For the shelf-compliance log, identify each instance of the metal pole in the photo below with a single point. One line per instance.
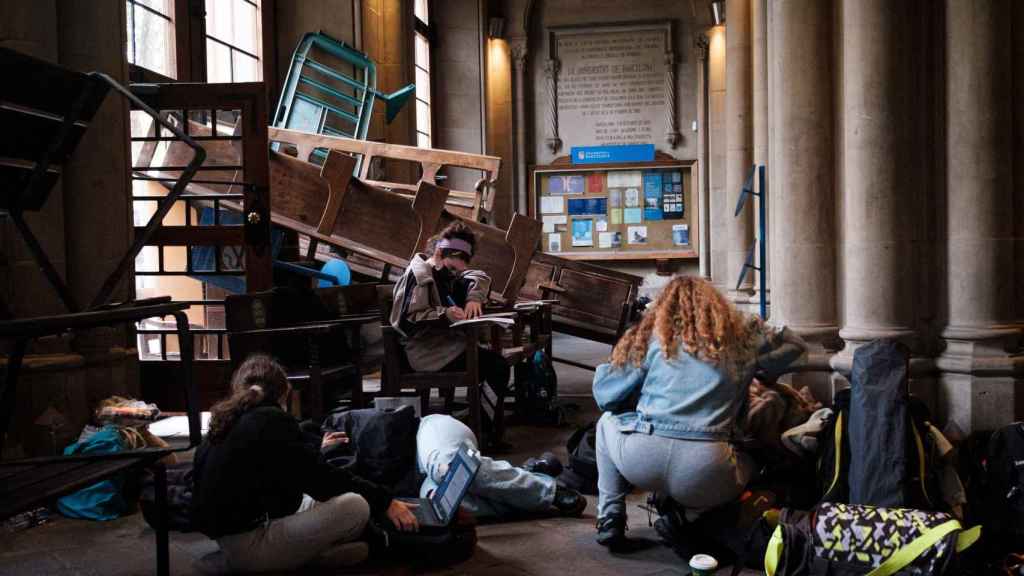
(762, 230)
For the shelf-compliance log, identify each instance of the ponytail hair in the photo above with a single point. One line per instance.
(257, 380)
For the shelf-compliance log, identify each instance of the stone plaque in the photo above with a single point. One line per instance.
(612, 85)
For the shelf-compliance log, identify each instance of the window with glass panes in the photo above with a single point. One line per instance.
(151, 36)
(232, 41)
(423, 33)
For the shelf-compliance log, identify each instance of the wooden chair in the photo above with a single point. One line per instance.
(314, 342)
(396, 377)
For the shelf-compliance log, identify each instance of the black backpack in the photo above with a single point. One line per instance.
(541, 392)
(876, 449)
(581, 474)
(1002, 507)
(381, 447)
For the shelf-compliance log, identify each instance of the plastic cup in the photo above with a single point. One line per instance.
(703, 565)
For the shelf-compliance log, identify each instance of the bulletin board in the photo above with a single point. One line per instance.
(630, 211)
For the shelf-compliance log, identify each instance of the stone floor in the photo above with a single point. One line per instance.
(535, 547)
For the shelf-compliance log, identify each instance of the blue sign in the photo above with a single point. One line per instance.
(612, 154)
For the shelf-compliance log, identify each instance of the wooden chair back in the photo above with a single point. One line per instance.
(594, 302)
(342, 211)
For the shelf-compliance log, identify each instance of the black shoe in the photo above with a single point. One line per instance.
(548, 464)
(673, 538)
(611, 532)
(569, 502)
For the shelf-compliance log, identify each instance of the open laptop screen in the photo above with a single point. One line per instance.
(449, 495)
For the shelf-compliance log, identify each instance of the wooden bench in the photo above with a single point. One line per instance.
(475, 204)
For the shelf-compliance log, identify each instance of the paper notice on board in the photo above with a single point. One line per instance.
(552, 204)
(550, 221)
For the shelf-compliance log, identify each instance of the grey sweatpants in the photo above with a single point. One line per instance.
(697, 474)
(293, 541)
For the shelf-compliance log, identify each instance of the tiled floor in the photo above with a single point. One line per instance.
(535, 547)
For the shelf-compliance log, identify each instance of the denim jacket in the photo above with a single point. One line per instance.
(686, 397)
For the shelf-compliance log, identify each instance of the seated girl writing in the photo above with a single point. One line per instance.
(434, 292)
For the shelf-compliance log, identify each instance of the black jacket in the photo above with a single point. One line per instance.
(382, 447)
(262, 468)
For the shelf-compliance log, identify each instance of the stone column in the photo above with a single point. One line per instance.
(982, 368)
(877, 278)
(96, 188)
(739, 143)
(718, 208)
(803, 281)
(518, 48)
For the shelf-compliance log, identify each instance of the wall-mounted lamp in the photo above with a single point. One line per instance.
(718, 12)
(496, 27)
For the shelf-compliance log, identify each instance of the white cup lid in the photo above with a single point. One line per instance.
(703, 562)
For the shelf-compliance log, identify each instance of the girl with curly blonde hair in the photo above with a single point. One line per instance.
(671, 395)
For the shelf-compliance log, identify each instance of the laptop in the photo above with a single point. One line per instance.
(440, 508)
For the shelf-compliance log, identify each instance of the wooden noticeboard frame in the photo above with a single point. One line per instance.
(663, 241)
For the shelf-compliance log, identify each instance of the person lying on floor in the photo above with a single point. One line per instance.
(500, 490)
(670, 397)
(435, 291)
(263, 492)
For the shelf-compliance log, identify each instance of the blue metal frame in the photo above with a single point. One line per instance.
(760, 243)
(300, 110)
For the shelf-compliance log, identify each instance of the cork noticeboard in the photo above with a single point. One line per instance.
(634, 211)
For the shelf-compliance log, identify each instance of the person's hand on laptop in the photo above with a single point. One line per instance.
(400, 514)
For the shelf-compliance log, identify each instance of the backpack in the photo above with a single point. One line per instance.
(876, 449)
(542, 389)
(581, 474)
(102, 500)
(1001, 508)
(179, 498)
(849, 539)
(381, 447)
(432, 546)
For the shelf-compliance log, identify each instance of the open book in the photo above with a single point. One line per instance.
(533, 303)
(504, 319)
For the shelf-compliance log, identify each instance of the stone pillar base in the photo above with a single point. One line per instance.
(977, 403)
(981, 386)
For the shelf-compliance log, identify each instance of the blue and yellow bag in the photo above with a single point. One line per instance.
(847, 539)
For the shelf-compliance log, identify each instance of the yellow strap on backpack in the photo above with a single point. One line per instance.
(907, 554)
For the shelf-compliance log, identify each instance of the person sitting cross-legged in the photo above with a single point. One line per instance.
(264, 493)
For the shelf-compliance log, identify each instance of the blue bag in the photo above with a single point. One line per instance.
(102, 500)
